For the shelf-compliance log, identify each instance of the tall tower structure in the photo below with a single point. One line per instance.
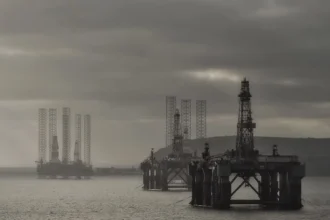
(87, 139)
(52, 129)
(186, 118)
(78, 137)
(42, 134)
(245, 125)
(76, 155)
(200, 119)
(66, 120)
(55, 153)
(177, 135)
(170, 111)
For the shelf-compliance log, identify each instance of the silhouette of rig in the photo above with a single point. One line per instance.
(278, 177)
(172, 171)
(64, 168)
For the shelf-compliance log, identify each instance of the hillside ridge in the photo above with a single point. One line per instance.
(315, 152)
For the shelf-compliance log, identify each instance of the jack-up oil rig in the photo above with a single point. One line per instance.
(278, 176)
(172, 171)
(63, 168)
(160, 175)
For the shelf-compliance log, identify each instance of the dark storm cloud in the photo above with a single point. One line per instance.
(119, 59)
(133, 53)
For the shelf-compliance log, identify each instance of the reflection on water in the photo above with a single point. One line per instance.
(122, 198)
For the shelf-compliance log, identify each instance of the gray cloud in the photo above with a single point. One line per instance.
(125, 56)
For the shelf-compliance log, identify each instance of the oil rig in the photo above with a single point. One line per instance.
(65, 168)
(172, 171)
(278, 177)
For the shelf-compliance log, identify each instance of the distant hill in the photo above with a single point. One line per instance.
(315, 152)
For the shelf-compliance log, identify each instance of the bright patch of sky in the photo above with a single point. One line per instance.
(215, 75)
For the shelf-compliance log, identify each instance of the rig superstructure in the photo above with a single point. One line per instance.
(278, 177)
(64, 168)
(172, 171)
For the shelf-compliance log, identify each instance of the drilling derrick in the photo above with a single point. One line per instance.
(42, 135)
(245, 126)
(76, 154)
(177, 135)
(66, 135)
(200, 119)
(52, 129)
(186, 118)
(55, 153)
(170, 111)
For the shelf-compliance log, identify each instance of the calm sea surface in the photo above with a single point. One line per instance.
(120, 198)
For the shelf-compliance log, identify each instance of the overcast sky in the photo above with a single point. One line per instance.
(118, 59)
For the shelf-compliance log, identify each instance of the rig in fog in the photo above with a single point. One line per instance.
(172, 171)
(64, 167)
(278, 177)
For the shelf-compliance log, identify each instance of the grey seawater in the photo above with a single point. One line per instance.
(119, 198)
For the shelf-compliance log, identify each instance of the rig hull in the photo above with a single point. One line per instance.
(278, 182)
(166, 175)
(57, 170)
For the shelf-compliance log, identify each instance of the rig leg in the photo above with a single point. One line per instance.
(158, 178)
(192, 174)
(225, 192)
(193, 190)
(146, 179)
(152, 178)
(215, 190)
(294, 177)
(207, 187)
(273, 187)
(199, 187)
(164, 179)
(295, 185)
(284, 197)
(264, 187)
(189, 182)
